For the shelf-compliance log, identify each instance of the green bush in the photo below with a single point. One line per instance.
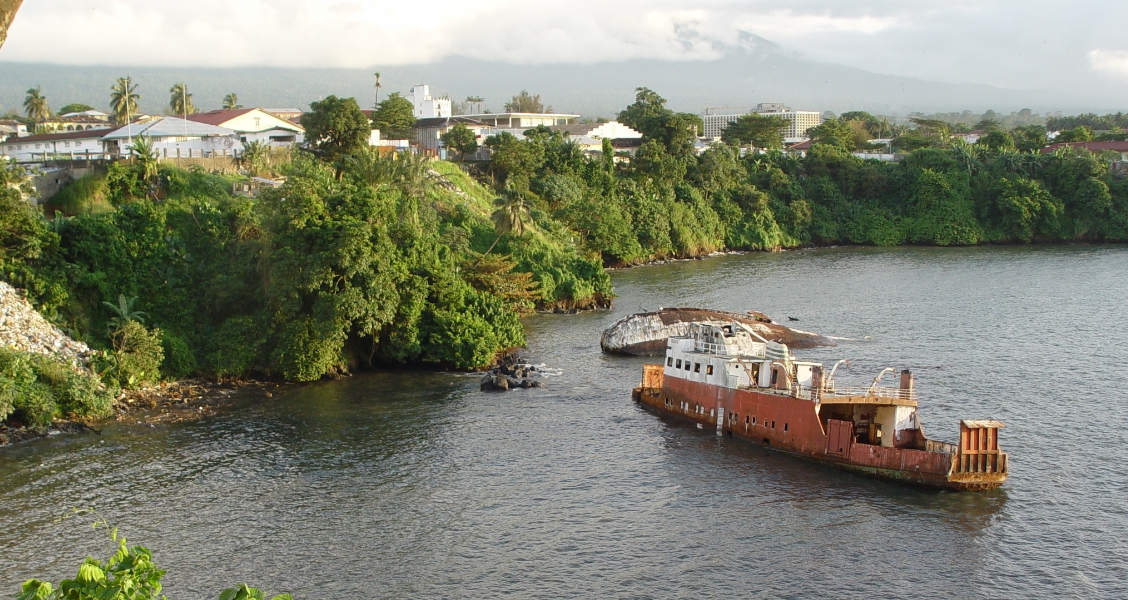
(237, 345)
(137, 355)
(179, 361)
(75, 393)
(35, 389)
(83, 195)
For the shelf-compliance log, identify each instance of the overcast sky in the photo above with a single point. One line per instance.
(1077, 46)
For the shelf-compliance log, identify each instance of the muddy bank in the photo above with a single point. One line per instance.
(644, 334)
(167, 403)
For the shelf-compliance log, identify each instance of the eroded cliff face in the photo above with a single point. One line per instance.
(644, 334)
(22, 328)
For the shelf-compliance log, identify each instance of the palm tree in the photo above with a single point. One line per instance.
(181, 101)
(377, 105)
(123, 100)
(35, 105)
(145, 157)
(231, 102)
(253, 156)
(476, 100)
(512, 214)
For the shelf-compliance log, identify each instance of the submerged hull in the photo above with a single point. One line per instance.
(792, 425)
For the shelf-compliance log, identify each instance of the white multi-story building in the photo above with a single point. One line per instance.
(69, 144)
(800, 121)
(427, 107)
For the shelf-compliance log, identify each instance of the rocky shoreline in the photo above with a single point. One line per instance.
(171, 402)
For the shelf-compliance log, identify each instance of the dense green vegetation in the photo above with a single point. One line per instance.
(357, 260)
(36, 389)
(361, 259)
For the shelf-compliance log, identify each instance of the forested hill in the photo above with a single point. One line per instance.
(742, 77)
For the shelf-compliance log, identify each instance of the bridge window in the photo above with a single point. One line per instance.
(670, 361)
(696, 367)
(679, 364)
(709, 369)
(687, 365)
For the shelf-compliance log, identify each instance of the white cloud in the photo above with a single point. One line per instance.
(358, 33)
(1110, 62)
(1010, 43)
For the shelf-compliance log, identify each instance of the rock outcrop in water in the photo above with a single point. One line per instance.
(644, 334)
(510, 374)
(22, 328)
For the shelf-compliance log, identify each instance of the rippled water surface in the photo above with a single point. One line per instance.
(418, 485)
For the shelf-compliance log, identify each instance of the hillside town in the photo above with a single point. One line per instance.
(61, 147)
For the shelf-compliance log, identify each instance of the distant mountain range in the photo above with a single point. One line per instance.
(757, 71)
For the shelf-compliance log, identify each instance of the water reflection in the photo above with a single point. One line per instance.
(416, 484)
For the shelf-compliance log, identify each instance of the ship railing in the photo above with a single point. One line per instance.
(942, 447)
(709, 348)
(755, 351)
(871, 392)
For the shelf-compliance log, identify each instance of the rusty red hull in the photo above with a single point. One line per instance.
(791, 425)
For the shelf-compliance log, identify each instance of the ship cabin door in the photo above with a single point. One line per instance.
(839, 435)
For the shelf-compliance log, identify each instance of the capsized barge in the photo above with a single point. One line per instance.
(725, 375)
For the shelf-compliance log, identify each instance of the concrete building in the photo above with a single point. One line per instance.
(799, 121)
(254, 124)
(429, 132)
(69, 144)
(427, 107)
(12, 128)
(522, 121)
(589, 136)
(611, 129)
(174, 137)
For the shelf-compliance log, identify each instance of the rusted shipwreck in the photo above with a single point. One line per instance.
(730, 377)
(645, 333)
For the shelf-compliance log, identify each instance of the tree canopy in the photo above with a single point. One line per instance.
(761, 131)
(460, 139)
(526, 103)
(395, 118)
(75, 107)
(35, 105)
(335, 128)
(180, 100)
(123, 100)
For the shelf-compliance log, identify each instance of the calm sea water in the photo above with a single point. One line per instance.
(418, 485)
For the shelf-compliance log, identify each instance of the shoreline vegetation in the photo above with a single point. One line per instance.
(361, 260)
